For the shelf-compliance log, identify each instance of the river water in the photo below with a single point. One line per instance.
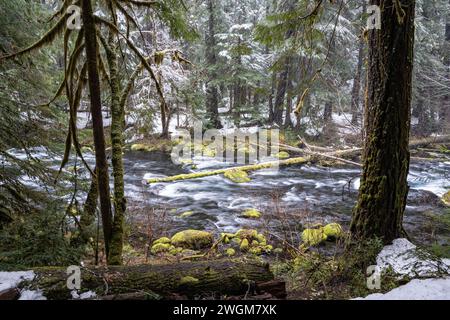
(288, 198)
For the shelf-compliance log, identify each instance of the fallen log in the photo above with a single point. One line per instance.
(186, 279)
(252, 167)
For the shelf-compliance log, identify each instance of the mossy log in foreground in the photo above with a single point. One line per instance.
(153, 281)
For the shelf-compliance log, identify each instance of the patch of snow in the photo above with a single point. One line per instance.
(12, 279)
(406, 259)
(83, 296)
(32, 295)
(417, 289)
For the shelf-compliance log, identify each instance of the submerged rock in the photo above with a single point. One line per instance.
(192, 239)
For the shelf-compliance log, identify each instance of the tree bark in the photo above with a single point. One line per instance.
(91, 49)
(221, 277)
(117, 141)
(444, 114)
(382, 195)
(212, 93)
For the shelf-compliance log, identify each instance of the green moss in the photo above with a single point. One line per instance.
(237, 176)
(312, 237)
(160, 248)
(174, 251)
(251, 214)
(192, 239)
(186, 214)
(256, 251)
(333, 230)
(255, 243)
(141, 147)
(188, 280)
(283, 155)
(161, 240)
(247, 234)
(446, 198)
(244, 245)
(230, 252)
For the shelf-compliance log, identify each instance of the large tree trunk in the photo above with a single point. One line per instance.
(190, 279)
(212, 93)
(97, 120)
(281, 93)
(384, 188)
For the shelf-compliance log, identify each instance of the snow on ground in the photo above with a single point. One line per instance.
(405, 259)
(10, 280)
(417, 289)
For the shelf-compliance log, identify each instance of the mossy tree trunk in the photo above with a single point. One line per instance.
(91, 48)
(117, 142)
(445, 108)
(384, 188)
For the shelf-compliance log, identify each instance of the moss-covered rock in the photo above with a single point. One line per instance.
(251, 214)
(248, 234)
(161, 248)
(186, 214)
(230, 252)
(141, 147)
(283, 155)
(188, 280)
(244, 245)
(333, 230)
(256, 251)
(192, 239)
(312, 237)
(175, 251)
(161, 240)
(237, 176)
(446, 198)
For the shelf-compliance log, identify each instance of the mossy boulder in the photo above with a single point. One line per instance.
(333, 230)
(251, 214)
(244, 245)
(141, 147)
(283, 155)
(230, 252)
(446, 198)
(161, 248)
(248, 234)
(313, 237)
(237, 176)
(161, 240)
(192, 239)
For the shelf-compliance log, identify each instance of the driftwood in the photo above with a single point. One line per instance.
(217, 278)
